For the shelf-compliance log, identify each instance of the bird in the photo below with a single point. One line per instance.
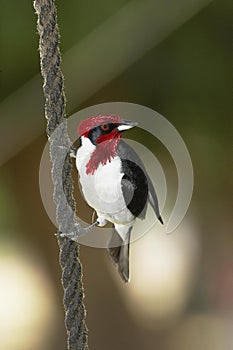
(114, 182)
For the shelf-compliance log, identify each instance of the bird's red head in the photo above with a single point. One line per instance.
(104, 131)
(88, 124)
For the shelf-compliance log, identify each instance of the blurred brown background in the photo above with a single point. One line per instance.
(174, 58)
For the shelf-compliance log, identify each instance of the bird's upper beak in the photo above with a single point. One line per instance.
(126, 125)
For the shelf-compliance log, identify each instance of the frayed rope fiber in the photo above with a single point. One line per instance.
(55, 101)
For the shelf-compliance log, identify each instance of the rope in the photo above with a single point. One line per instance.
(50, 60)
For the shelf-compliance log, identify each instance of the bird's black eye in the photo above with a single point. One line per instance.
(104, 127)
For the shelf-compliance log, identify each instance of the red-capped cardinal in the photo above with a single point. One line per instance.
(114, 181)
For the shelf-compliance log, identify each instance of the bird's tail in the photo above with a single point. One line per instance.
(119, 253)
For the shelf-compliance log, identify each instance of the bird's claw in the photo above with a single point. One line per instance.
(77, 233)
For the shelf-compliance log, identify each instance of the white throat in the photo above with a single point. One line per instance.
(87, 144)
(84, 152)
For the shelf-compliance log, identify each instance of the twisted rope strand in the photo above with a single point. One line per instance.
(53, 87)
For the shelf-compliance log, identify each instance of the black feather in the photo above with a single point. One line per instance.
(134, 187)
(127, 152)
(119, 254)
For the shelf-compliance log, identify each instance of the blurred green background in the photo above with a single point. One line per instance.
(173, 57)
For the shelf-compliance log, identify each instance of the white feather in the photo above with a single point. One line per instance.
(102, 190)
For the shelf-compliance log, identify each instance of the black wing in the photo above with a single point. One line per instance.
(127, 153)
(134, 187)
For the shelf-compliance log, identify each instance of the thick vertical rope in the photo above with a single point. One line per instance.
(53, 87)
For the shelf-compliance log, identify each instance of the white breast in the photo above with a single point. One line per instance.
(102, 190)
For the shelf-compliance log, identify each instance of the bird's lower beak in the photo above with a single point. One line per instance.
(126, 125)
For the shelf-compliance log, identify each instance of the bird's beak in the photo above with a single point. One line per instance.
(126, 125)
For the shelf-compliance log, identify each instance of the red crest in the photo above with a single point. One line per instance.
(86, 125)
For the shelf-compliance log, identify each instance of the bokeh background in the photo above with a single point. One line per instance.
(173, 57)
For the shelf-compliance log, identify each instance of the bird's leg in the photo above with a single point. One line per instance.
(78, 232)
(81, 231)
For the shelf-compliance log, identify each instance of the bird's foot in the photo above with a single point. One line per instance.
(77, 233)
